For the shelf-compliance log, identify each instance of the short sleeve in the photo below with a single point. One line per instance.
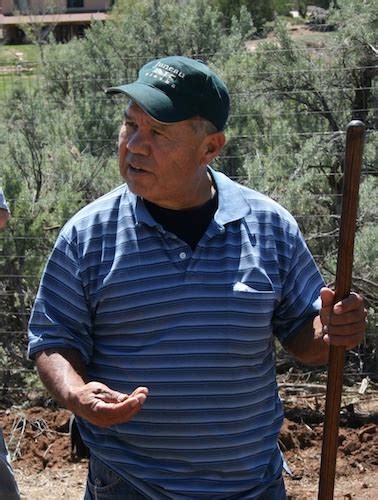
(61, 314)
(3, 203)
(300, 300)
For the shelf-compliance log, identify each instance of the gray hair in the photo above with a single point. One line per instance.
(202, 126)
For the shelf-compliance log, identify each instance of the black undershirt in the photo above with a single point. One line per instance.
(188, 225)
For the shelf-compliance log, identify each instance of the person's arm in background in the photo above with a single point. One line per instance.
(4, 217)
(63, 373)
(342, 324)
(4, 211)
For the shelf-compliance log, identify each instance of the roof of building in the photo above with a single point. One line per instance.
(77, 18)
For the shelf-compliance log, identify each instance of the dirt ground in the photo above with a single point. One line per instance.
(39, 442)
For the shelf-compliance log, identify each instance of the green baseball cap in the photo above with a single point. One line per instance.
(175, 88)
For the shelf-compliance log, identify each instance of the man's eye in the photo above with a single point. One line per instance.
(130, 124)
(156, 132)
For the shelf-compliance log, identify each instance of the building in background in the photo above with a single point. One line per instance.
(65, 18)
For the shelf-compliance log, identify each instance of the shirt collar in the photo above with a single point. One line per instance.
(142, 215)
(232, 205)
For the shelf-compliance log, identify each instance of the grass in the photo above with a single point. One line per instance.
(316, 37)
(27, 56)
(11, 55)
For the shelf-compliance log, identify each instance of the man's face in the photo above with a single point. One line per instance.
(163, 163)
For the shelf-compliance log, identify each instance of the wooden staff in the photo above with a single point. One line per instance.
(352, 167)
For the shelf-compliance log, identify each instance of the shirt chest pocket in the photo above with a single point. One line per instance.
(252, 300)
(253, 280)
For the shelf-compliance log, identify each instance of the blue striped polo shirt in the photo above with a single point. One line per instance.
(195, 327)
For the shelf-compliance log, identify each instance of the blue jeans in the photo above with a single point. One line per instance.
(276, 491)
(8, 485)
(104, 484)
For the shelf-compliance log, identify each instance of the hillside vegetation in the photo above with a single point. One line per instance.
(292, 99)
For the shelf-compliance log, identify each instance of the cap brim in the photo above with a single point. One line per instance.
(154, 102)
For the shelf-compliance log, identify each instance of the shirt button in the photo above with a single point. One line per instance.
(182, 255)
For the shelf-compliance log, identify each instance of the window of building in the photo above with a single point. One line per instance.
(22, 5)
(75, 4)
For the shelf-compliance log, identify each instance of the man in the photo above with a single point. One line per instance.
(4, 211)
(8, 485)
(154, 319)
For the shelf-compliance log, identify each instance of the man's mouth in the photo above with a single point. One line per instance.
(135, 168)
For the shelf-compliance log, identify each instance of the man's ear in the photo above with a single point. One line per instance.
(212, 146)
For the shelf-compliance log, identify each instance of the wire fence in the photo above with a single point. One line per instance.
(17, 380)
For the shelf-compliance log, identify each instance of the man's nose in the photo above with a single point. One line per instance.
(138, 143)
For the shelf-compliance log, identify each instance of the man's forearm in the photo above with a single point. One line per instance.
(308, 345)
(61, 370)
(4, 217)
(63, 373)
(340, 324)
